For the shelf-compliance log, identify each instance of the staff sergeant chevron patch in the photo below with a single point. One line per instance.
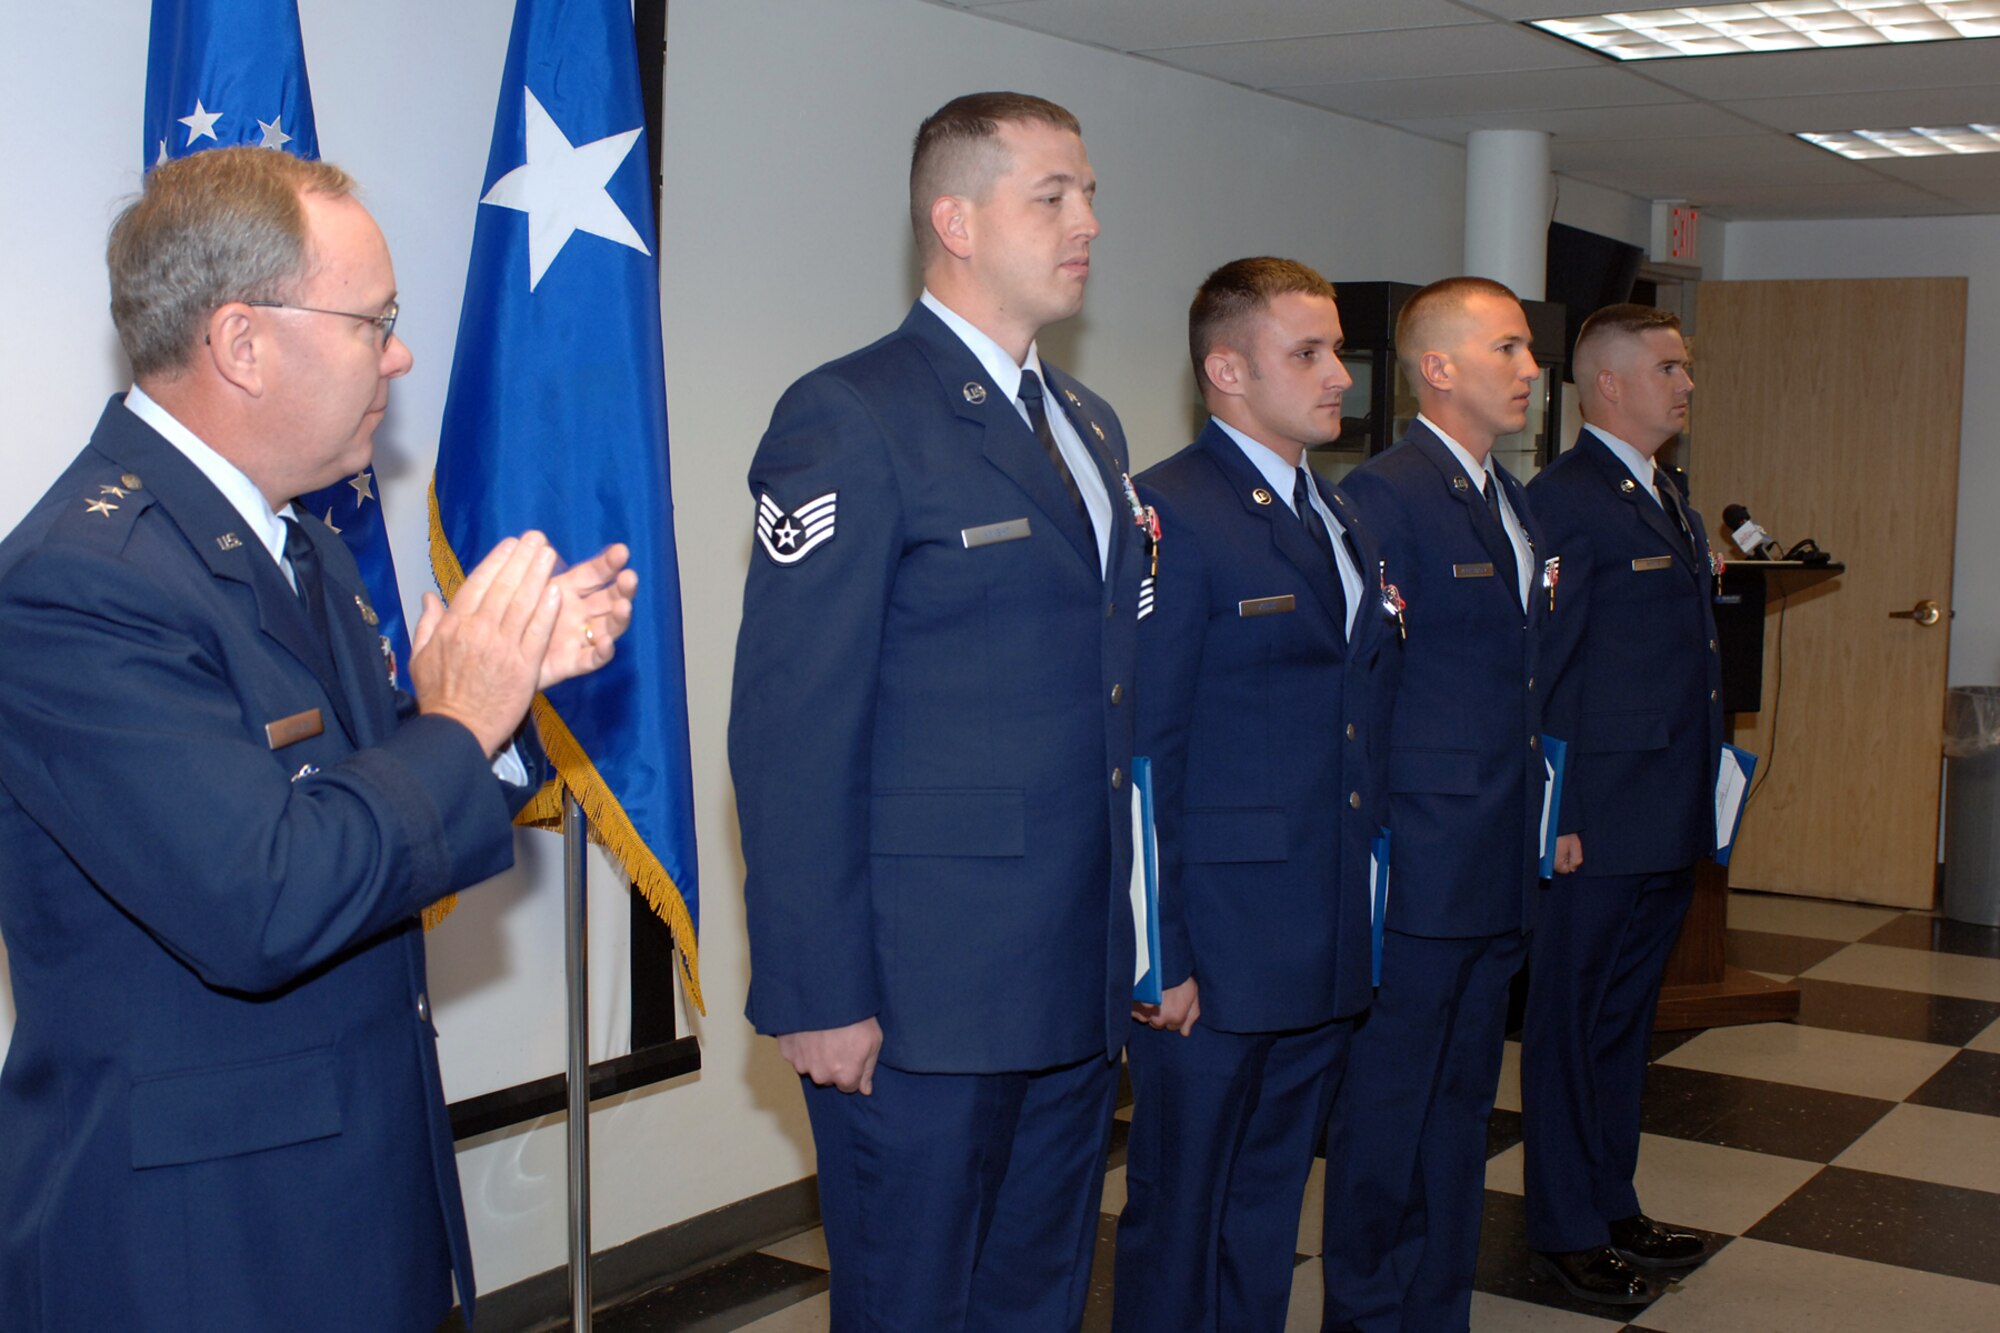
(790, 537)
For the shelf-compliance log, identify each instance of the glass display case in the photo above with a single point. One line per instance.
(1381, 405)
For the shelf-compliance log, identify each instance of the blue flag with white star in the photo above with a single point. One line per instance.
(225, 72)
(556, 419)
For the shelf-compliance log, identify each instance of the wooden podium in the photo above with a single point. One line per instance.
(1700, 989)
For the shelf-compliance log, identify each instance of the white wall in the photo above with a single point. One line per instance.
(1920, 247)
(784, 243)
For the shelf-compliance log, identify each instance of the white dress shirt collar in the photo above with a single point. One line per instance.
(241, 492)
(1282, 477)
(1475, 471)
(1643, 469)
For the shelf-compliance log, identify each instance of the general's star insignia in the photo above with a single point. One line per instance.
(103, 507)
(790, 537)
(115, 492)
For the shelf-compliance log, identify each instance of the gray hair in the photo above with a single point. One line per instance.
(223, 225)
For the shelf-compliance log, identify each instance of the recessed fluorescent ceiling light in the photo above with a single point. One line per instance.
(1923, 141)
(1775, 25)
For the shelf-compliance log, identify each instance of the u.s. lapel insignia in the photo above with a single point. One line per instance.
(1627, 486)
(1459, 483)
(975, 392)
(790, 537)
(1261, 496)
(228, 541)
(368, 616)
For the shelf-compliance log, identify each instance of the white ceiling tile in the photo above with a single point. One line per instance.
(1484, 94)
(1874, 199)
(1471, 48)
(1755, 152)
(1854, 69)
(1522, 10)
(1874, 111)
(1669, 120)
(1943, 175)
(1133, 25)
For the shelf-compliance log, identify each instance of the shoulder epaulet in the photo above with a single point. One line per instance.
(102, 512)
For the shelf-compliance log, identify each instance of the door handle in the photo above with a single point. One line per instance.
(1925, 612)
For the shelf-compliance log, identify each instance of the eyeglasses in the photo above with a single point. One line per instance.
(385, 323)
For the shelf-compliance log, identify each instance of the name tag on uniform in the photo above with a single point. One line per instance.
(291, 730)
(1652, 562)
(1011, 531)
(1482, 570)
(1267, 606)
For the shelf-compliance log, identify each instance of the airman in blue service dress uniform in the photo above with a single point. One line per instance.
(219, 819)
(1634, 679)
(1407, 1135)
(931, 736)
(1267, 666)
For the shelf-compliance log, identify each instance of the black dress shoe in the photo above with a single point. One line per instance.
(1595, 1275)
(1642, 1241)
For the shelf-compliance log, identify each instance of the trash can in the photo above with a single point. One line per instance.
(1972, 804)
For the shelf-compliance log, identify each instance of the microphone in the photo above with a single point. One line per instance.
(1749, 535)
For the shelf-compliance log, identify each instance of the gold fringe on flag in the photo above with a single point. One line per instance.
(610, 827)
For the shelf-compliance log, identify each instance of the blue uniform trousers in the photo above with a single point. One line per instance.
(1406, 1140)
(1600, 947)
(1224, 1125)
(963, 1201)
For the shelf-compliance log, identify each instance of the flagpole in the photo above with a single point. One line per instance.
(576, 829)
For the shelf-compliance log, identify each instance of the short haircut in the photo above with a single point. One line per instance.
(1424, 317)
(223, 225)
(1239, 289)
(957, 150)
(1611, 323)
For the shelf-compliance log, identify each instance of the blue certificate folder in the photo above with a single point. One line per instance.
(1146, 987)
(1732, 786)
(1554, 754)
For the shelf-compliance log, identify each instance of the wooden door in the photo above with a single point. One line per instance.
(1831, 409)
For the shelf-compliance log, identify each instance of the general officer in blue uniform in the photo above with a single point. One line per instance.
(930, 734)
(1634, 679)
(1267, 666)
(219, 819)
(1406, 1142)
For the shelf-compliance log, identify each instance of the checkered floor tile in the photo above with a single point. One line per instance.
(1846, 1167)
